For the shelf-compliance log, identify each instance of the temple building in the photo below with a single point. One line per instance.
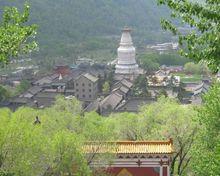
(126, 62)
(134, 158)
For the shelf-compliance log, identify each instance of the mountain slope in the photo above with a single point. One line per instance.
(65, 23)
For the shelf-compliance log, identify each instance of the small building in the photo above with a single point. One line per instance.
(44, 99)
(133, 104)
(123, 82)
(109, 103)
(86, 87)
(3, 78)
(62, 70)
(46, 80)
(172, 68)
(134, 158)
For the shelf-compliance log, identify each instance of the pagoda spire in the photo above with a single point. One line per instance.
(126, 62)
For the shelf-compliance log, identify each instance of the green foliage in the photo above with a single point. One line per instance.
(106, 87)
(23, 86)
(202, 43)
(68, 105)
(54, 146)
(163, 92)
(28, 149)
(207, 149)
(151, 61)
(192, 68)
(171, 59)
(140, 86)
(3, 173)
(168, 119)
(163, 119)
(4, 93)
(15, 34)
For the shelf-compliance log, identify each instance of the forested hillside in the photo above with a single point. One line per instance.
(65, 25)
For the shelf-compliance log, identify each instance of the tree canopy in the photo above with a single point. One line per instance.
(16, 36)
(206, 153)
(202, 43)
(57, 134)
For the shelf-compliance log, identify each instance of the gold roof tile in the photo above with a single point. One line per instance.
(130, 147)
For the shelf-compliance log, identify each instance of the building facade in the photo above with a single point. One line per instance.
(86, 87)
(135, 158)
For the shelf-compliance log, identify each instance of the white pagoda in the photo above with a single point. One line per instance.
(126, 62)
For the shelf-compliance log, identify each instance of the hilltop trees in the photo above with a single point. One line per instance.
(15, 35)
(67, 25)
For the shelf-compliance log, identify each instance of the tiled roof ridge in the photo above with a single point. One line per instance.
(147, 142)
(128, 147)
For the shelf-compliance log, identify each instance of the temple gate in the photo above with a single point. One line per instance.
(135, 158)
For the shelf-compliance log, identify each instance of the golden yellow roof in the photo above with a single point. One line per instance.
(130, 147)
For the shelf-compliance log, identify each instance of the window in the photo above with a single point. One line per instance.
(77, 90)
(77, 84)
(83, 90)
(84, 96)
(83, 84)
(90, 90)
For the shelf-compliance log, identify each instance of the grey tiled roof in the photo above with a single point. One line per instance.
(111, 100)
(34, 90)
(89, 77)
(124, 82)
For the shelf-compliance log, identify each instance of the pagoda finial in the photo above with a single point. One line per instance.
(126, 29)
(60, 77)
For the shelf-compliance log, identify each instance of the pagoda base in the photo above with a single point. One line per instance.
(127, 69)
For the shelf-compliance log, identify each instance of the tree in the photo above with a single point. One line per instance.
(15, 35)
(169, 119)
(140, 86)
(4, 94)
(54, 145)
(106, 87)
(68, 105)
(149, 62)
(202, 43)
(192, 68)
(24, 85)
(162, 92)
(206, 153)
(47, 148)
(161, 120)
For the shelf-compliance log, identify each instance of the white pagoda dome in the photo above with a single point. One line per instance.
(126, 62)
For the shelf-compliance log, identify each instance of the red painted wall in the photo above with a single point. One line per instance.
(63, 70)
(164, 171)
(138, 171)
